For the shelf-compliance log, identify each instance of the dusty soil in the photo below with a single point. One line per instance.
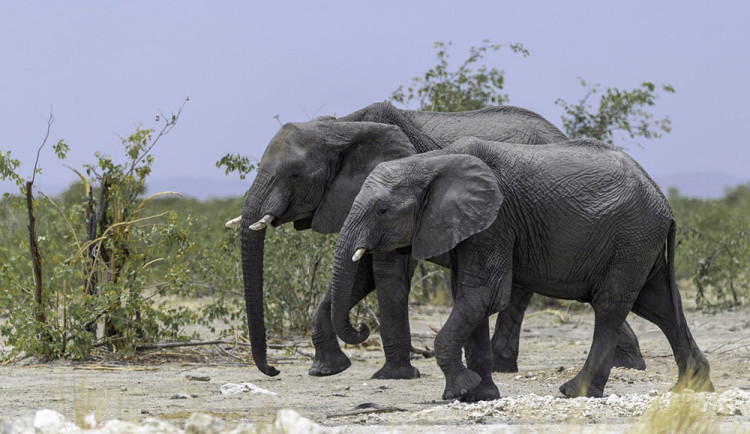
(173, 384)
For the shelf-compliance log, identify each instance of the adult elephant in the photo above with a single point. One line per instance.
(310, 174)
(578, 220)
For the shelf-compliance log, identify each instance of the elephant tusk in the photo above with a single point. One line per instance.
(234, 222)
(358, 255)
(262, 223)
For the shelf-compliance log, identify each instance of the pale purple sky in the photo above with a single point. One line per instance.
(105, 67)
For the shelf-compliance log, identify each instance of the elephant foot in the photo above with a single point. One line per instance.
(460, 385)
(504, 365)
(329, 363)
(394, 371)
(698, 382)
(576, 388)
(486, 391)
(628, 357)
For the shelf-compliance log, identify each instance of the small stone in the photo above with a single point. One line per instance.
(529, 374)
(631, 381)
(737, 412)
(145, 412)
(517, 377)
(560, 369)
(180, 396)
(198, 377)
(123, 389)
(653, 393)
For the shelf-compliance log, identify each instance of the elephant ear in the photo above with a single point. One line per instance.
(462, 199)
(361, 146)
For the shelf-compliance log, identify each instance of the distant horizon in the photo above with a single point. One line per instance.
(701, 185)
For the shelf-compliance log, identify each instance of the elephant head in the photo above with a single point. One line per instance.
(309, 175)
(430, 202)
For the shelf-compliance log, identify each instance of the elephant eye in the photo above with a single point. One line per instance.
(294, 176)
(382, 211)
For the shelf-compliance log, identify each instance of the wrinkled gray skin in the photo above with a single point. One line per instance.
(310, 174)
(578, 220)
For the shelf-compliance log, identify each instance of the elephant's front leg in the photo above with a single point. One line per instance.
(479, 359)
(507, 331)
(329, 359)
(467, 314)
(392, 274)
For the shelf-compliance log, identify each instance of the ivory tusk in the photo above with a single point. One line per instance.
(234, 222)
(262, 223)
(358, 254)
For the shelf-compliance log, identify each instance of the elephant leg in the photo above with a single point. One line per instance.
(392, 274)
(507, 331)
(479, 359)
(329, 359)
(467, 314)
(611, 302)
(628, 351)
(592, 378)
(659, 304)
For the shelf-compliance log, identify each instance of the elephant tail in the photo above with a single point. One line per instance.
(674, 291)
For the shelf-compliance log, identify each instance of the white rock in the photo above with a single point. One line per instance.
(153, 425)
(200, 423)
(289, 421)
(18, 425)
(90, 421)
(119, 427)
(50, 421)
(237, 388)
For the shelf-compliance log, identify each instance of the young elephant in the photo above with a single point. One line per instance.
(578, 220)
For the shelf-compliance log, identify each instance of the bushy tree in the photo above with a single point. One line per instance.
(106, 259)
(618, 111)
(714, 246)
(470, 86)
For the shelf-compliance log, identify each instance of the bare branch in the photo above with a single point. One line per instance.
(50, 121)
(169, 124)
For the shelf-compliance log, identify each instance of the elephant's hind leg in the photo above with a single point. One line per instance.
(329, 359)
(611, 300)
(656, 303)
(628, 351)
(592, 378)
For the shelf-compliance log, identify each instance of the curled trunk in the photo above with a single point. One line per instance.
(344, 276)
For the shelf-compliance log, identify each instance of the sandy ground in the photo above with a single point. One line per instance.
(173, 384)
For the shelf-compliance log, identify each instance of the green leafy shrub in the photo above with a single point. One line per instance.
(713, 246)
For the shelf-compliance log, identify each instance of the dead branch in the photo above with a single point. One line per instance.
(162, 345)
(426, 353)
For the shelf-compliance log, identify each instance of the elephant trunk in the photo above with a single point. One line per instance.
(252, 245)
(344, 276)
